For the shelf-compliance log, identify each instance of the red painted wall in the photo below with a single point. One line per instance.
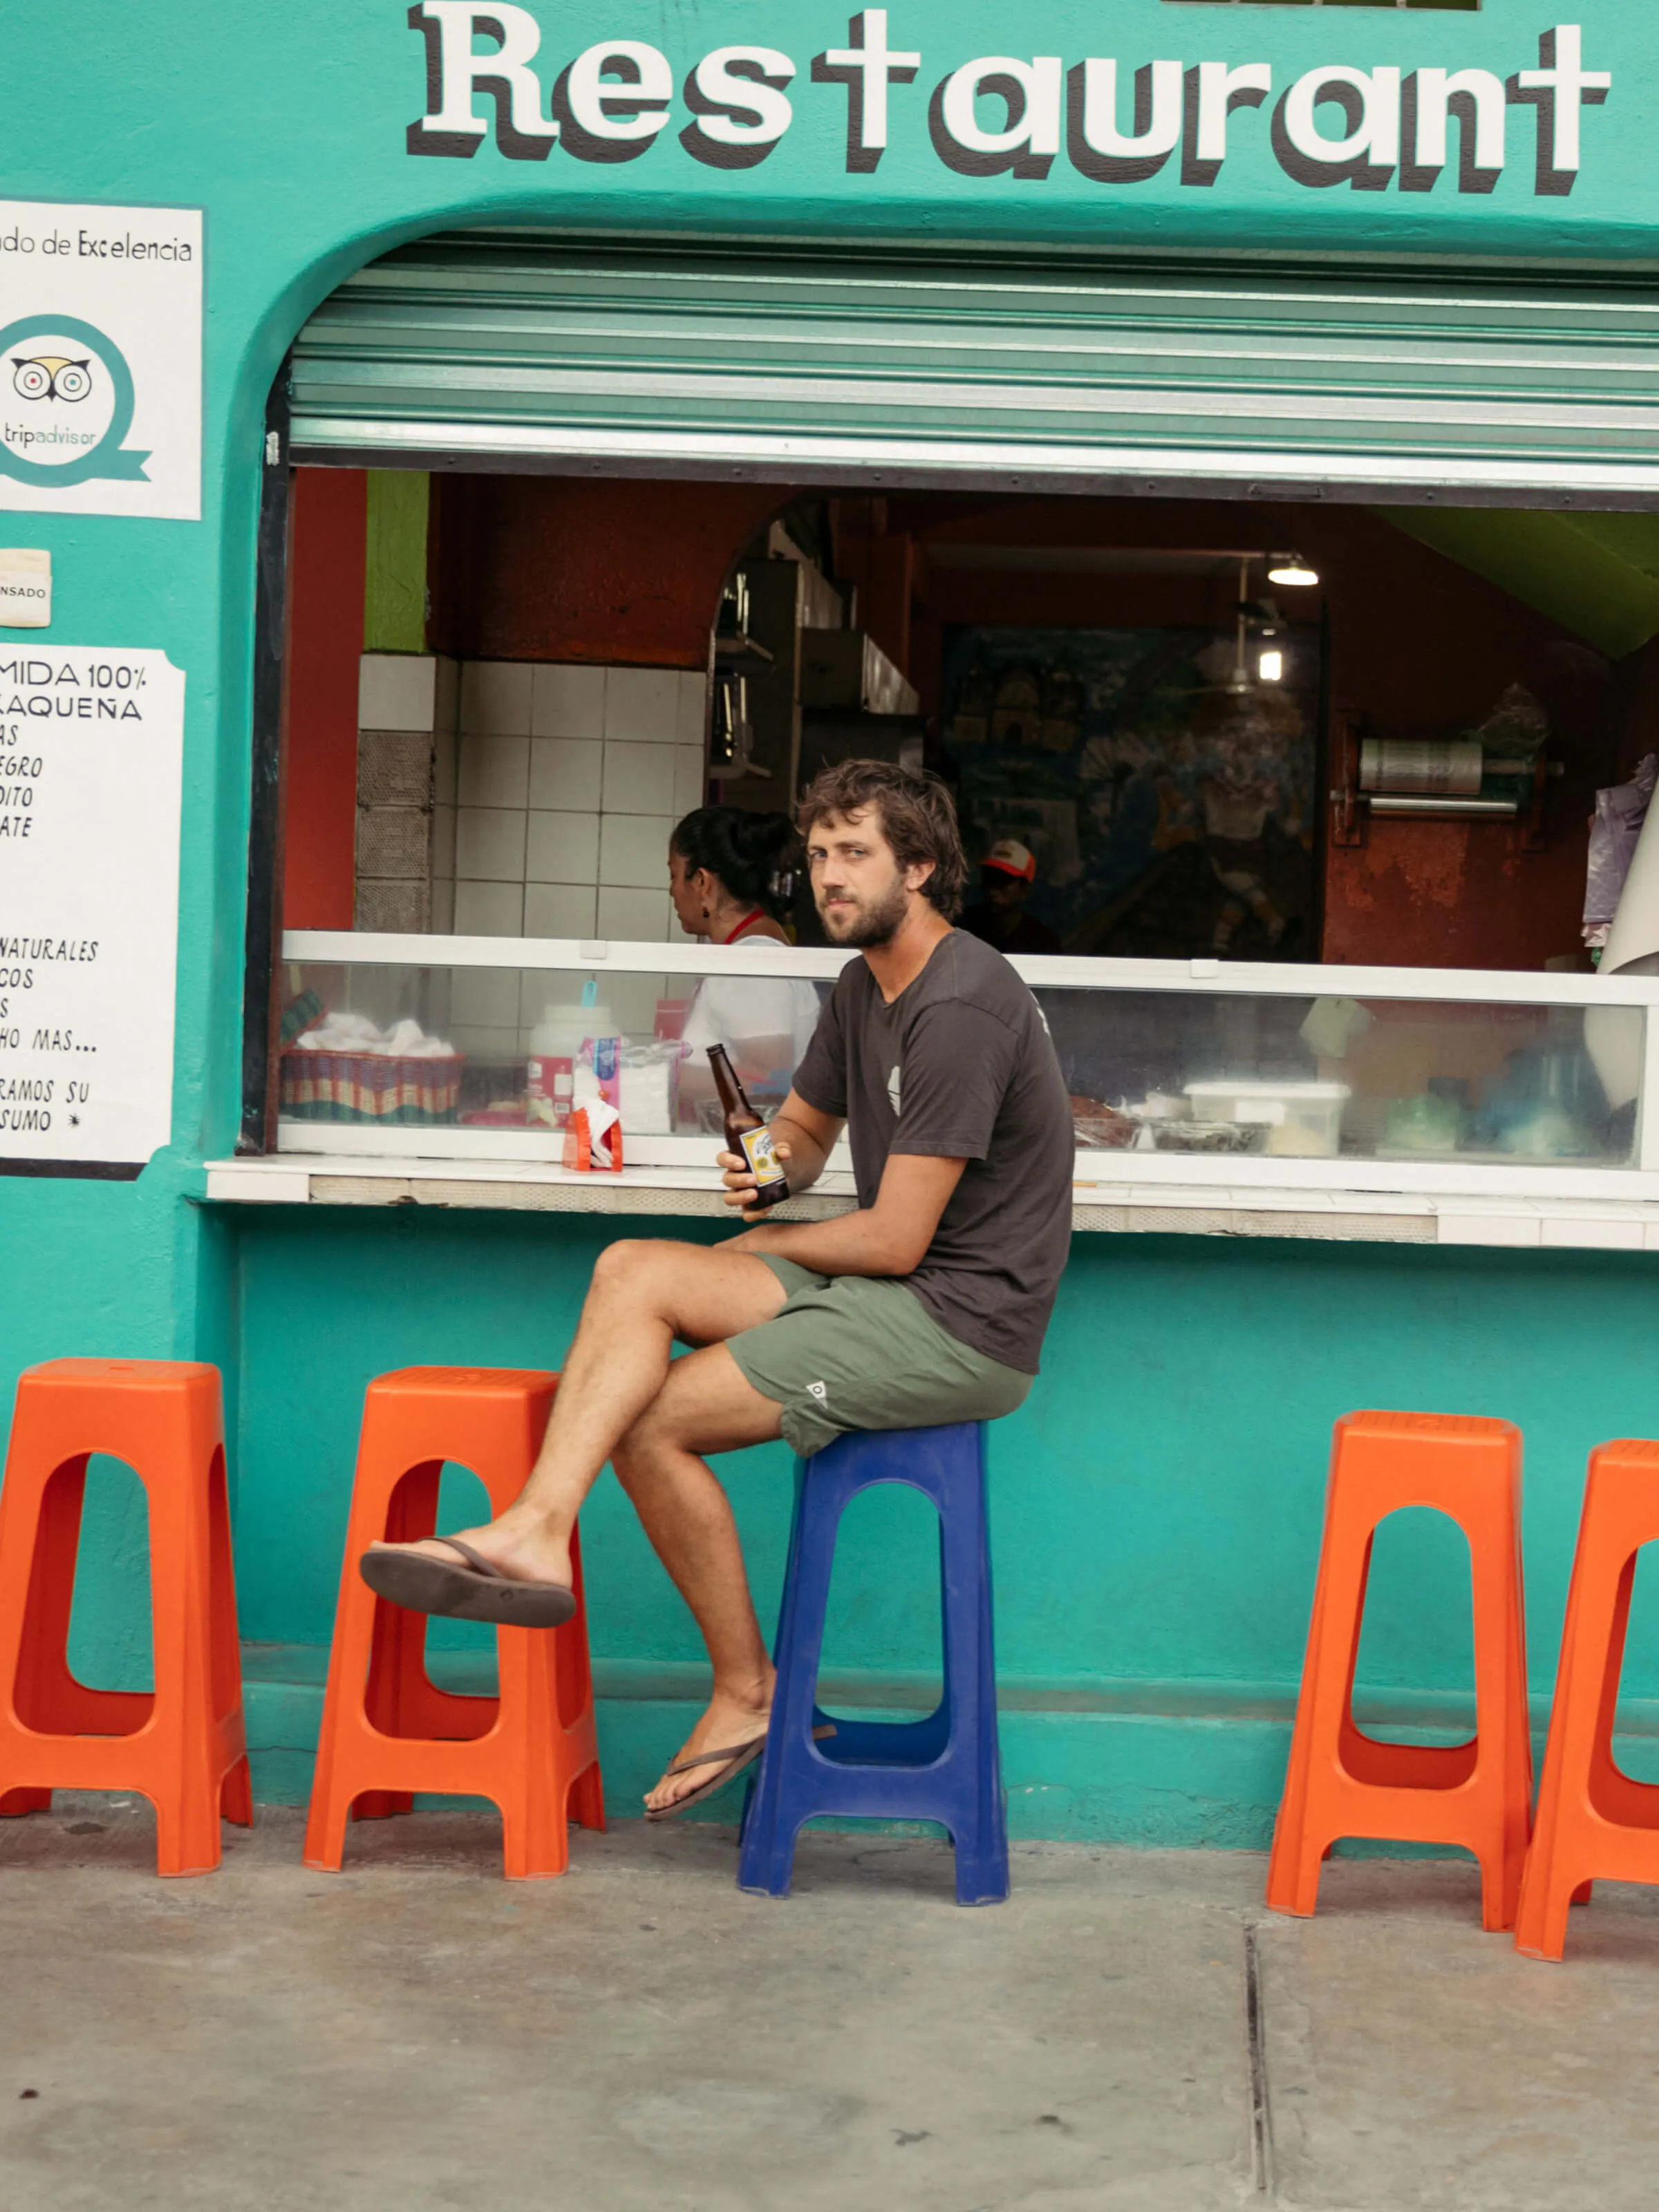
(554, 568)
(328, 537)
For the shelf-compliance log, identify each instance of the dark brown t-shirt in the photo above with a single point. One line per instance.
(960, 1066)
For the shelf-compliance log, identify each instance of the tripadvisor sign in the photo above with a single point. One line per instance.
(998, 113)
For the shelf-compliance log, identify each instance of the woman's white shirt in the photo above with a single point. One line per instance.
(731, 1009)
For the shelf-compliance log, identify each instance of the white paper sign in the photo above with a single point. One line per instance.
(91, 777)
(24, 588)
(101, 359)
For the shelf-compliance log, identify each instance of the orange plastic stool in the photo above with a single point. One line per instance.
(1594, 1823)
(1341, 1783)
(387, 1729)
(180, 1745)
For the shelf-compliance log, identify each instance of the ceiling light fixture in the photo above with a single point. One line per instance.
(1290, 569)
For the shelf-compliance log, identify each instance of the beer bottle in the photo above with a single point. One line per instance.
(746, 1134)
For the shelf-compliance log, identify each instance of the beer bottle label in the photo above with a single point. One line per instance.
(763, 1162)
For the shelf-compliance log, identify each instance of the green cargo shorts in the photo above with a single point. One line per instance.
(861, 1352)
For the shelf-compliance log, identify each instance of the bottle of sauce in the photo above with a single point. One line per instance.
(746, 1134)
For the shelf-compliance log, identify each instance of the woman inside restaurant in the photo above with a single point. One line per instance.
(731, 875)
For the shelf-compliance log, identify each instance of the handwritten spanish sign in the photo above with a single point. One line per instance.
(91, 777)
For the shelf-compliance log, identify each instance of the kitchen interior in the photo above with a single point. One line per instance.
(1217, 733)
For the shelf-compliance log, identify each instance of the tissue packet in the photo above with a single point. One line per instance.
(593, 1139)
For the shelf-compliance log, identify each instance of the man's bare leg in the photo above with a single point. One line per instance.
(644, 1294)
(706, 1405)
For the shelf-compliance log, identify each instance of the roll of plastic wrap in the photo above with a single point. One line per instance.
(1613, 1034)
(1449, 767)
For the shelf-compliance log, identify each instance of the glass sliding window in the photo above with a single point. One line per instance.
(1334, 1078)
(385, 1046)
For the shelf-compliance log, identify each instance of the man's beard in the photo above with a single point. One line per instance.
(874, 922)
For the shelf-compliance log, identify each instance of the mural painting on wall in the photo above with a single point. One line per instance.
(1168, 803)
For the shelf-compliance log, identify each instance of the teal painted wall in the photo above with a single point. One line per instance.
(1156, 1505)
(1156, 1501)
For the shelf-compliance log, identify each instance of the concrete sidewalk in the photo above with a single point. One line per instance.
(417, 2034)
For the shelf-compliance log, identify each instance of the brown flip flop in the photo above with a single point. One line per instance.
(738, 1756)
(477, 1591)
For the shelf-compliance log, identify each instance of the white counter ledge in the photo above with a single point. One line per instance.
(1112, 1207)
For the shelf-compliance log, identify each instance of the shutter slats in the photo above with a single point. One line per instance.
(520, 351)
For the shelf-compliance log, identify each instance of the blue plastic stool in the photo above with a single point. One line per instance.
(945, 1768)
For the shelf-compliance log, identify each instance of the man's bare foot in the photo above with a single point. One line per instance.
(729, 1722)
(521, 1545)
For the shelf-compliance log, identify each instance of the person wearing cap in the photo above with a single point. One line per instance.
(1006, 877)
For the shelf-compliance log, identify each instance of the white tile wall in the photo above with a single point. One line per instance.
(637, 914)
(567, 772)
(559, 909)
(642, 705)
(489, 910)
(397, 690)
(691, 723)
(568, 701)
(494, 771)
(566, 783)
(634, 851)
(489, 843)
(495, 698)
(639, 779)
(447, 695)
(484, 997)
(562, 849)
(690, 779)
(444, 762)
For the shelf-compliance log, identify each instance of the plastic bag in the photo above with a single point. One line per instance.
(1620, 813)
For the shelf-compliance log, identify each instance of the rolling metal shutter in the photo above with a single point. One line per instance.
(511, 349)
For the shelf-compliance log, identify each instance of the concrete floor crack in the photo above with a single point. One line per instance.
(1255, 2045)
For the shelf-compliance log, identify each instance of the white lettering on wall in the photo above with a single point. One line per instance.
(1221, 89)
(617, 92)
(1372, 129)
(1156, 132)
(741, 106)
(1369, 148)
(1031, 94)
(1478, 98)
(457, 72)
(866, 66)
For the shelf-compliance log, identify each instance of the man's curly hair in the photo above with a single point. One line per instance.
(918, 818)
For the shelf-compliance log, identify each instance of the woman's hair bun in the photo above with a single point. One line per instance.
(750, 854)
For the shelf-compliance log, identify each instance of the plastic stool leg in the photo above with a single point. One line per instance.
(1580, 1746)
(1298, 1853)
(398, 1647)
(767, 1859)
(586, 1802)
(980, 1833)
(236, 1795)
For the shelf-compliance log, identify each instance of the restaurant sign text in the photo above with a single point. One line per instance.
(1114, 119)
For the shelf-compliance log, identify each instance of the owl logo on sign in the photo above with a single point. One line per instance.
(51, 376)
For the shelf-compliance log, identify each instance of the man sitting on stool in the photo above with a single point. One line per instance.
(928, 1305)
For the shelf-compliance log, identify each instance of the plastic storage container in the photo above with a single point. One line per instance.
(556, 1045)
(1303, 1121)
